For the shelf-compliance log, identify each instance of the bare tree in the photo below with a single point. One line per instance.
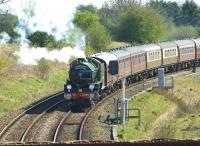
(4, 1)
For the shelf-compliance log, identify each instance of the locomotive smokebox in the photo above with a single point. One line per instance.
(161, 77)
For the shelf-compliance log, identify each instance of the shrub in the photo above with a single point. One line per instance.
(4, 62)
(43, 68)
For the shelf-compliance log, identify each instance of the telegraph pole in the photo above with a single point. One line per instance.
(123, 115)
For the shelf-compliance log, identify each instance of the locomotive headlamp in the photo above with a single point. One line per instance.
(69, 87)
(91, 96)
(67, 96)
(91, 87)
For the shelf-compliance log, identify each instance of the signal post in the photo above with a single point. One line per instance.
(123, 100)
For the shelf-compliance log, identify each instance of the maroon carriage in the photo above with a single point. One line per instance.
(169, 55)
(186, 50)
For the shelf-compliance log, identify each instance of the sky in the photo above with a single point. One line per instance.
(52, 15)
(49, 14)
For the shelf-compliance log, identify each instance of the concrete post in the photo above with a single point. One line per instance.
(123, 118)
(161, 77)
(126, 108)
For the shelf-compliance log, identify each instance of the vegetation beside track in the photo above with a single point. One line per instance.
(164, 115)
(21, 85)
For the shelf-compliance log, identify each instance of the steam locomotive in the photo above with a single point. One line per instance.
(94, 77)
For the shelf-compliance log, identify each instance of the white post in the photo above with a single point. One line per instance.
(123, 116)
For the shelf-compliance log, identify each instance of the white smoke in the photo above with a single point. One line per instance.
(31, 56)
(4, 38)
(53, 17)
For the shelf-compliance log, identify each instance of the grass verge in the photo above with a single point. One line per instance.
(21, 85)
(167, 116)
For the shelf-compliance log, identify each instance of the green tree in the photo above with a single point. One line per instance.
(190, 13)
(43, 39)
(186, 32)
(179, 32)
(166, 9)
(85, 20)
(186, 14)
(8, 22)
(38, 39)
(98, 38)
(140, 25)
(90, 8)
(122, 5)
(111, 11)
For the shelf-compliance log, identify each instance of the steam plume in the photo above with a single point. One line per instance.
(4, 38)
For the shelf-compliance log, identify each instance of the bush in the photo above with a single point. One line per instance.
(43, 68)
(4, 62)
(179, 32)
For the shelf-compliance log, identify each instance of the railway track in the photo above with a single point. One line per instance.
(96, 125)
(15, 130)
(27, 134)
(74, 126)
(70, 126)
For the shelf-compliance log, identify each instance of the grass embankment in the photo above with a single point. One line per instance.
(21, 85)
(167, 116)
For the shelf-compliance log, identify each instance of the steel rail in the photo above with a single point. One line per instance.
(81, 128)
(29, 109)
(39, 117)
(59, 126)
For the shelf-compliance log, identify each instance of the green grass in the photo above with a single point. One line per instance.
(186, 127)
(21, 85)
(17, 93)
(166, 116)
(151, 105)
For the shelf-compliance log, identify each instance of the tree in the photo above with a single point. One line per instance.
(190, 13)
(166, 9)
(85, 19)
(186, 32)
(179, 32)
(38, 39)
(43, 39)
(111, 11)
(8, 22)
(187, 14)
(4, 1)
(140, 25)
(90, 8)
(123, 5)
(98, 38)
